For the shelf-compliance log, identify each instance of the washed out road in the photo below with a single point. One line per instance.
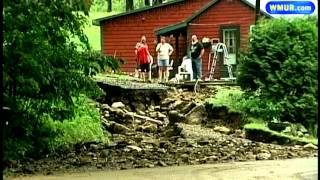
(305, 169)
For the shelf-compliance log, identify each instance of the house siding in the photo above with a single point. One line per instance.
(121, 34)
(232, 12)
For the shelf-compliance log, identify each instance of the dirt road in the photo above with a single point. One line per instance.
(277, 169)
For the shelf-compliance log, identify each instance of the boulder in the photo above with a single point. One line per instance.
(167, 101)
(139, 112)
(161, 116)
(153, 114)
(187, 107)
(176, 105)
(117, 105)
(197, 115)
(175, 116)
(120, 129)
(138, 106)
(222, 129)
(105, 107)
(263, 156)
(310, 147)
(157, 108)
(136, 148)
(151, 128)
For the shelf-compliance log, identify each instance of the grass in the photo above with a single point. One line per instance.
(93, 32)
(262, 126)
(229, 97)
(84, 127)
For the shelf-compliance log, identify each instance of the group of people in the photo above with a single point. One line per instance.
(164, 51)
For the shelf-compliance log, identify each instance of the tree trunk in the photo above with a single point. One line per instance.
(109, 5)
(129, 5)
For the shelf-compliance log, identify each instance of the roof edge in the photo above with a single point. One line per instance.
(254, 7)
(98, 21)
(169, 28)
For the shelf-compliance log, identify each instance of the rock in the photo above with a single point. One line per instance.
(197, 115)
(134, 148)
(141, 113)
(310, 147)
(174, 116)
(117, 105)
(157, 108)
(203, 142)
(94, 147)
(105, 107)
(251, 156)
(263, 156)
(161, 116)
(84, 161)
(99, 166)
(175, 105)
(188, 107)
(139, 106)
(151, 128)
(222, 129)
(104, 153)
(164, 108)
(120, 129)
(149, 165)
(161, 163)
(167, 101)
(153, 114)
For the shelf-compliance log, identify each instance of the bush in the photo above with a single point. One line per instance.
(238, 101)
(38, 138)
(44, 70)
(280, 68)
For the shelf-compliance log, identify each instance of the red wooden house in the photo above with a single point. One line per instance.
(226, 20)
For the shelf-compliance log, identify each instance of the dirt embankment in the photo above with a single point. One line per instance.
(172, 131)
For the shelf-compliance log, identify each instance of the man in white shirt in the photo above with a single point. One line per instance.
(164, 51)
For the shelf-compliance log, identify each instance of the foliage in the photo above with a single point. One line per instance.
(263, 127)
(119, 5)
(237, 101)
(280, 68)
(48, 135)
(44, 70)
(229, 97)
(84, 127)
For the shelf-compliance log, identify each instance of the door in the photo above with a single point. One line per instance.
(230, 36)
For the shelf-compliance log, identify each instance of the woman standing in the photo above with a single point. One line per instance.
(164, 51)
(143, 57)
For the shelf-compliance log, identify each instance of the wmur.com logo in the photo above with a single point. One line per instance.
(290, 7)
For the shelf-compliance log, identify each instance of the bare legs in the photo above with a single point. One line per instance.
(163, 74)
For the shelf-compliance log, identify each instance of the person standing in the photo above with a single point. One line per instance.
(164, 51)
(143, 58)
(197, 52)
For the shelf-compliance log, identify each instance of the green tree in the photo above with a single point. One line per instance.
(280, 68)
(43, 67)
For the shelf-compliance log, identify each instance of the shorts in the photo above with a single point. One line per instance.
(163, 62)
(145, 67)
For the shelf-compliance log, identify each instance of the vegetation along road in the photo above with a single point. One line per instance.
(276, 169)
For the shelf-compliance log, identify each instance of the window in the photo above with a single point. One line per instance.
(230, 40)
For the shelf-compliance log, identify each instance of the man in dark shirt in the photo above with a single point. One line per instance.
(197, 52)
